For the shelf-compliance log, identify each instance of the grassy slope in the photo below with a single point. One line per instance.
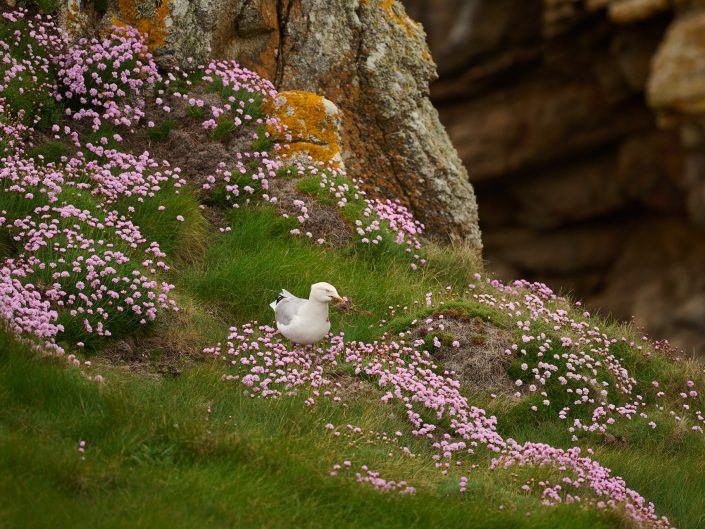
(155, 456)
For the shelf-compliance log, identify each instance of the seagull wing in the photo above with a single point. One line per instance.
(286, 306)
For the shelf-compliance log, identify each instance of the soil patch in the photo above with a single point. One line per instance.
(324, 222)
(478, 359)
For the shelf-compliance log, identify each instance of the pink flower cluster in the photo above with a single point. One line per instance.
(608, 492)
(377, 215)
(579, 359)
(400, 220)
(24, 310)
(268, 368)
(13, 133)
(239, 183)
(78, 256)
(25, 56)
(242, 84)
(118, 175)
(409, 375)
(85, 264)
(106, 80)
(373, 478)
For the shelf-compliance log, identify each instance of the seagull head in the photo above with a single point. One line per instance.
(324, 293)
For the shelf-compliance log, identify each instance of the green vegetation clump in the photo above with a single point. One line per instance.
(223, 128)
(49, 152)
(161, 131)
(195, 112)
(264, 141)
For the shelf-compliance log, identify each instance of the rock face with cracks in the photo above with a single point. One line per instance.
(366, 56)
(583, 124)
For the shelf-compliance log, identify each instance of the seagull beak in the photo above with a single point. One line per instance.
(339, 300)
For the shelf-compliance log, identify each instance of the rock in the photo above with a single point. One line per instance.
(250, 33)
(692, 313)
(313, 125)
(557, 253)
(677, 84)
(577, 183)
(372, 61)
(650, 171)
(595, 5)
(520, 126)
(629, 11)
(658, 280)
(695, 186)
(559, 16)
(147, 16)
(633, 49)
(367, 57)
(462, 31)
(644, 170)
(549, 200)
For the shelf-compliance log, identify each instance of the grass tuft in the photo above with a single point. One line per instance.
(161, 131)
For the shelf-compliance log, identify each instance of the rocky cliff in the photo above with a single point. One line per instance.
(581, 123)
(365, 56)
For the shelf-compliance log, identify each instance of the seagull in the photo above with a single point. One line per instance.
(305, 321)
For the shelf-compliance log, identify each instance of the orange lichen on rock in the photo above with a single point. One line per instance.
(153, 26)
(309, 124)
(73, 18)
(401, 20)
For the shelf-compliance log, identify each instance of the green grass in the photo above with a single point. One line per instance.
(181, 240)
(264, 142)
(49, 152)
(674, 482)
(155, 457)
(288, 171)
(195, 112)
(154, 454)
(224, 128)
(259, 257)
(161, 131)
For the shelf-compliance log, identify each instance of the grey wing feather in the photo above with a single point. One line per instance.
(286, 308)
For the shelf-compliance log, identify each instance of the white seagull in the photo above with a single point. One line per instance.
(305, 321)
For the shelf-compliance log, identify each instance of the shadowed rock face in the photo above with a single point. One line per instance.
(581, 124)
(366, 56)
